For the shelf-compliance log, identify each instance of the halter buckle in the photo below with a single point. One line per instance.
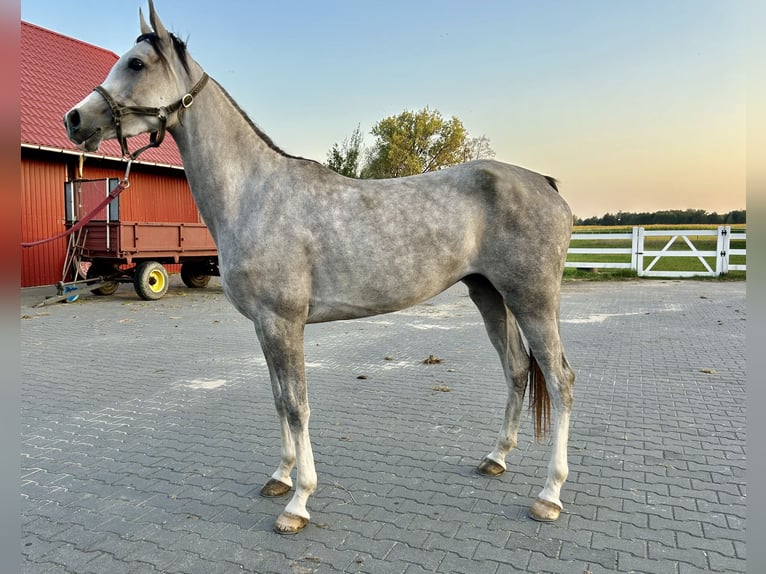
(187, 101)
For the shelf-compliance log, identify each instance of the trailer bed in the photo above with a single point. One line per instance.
(140, 240)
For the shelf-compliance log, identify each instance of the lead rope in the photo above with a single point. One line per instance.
(123, 184)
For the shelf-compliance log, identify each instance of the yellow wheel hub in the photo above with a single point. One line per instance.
(156, 281)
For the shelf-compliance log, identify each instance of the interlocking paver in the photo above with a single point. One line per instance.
(149, 428)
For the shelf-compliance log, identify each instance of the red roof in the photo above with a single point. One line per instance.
(56, 73)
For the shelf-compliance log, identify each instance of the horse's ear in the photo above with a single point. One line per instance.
(145, 28)
(159, 29)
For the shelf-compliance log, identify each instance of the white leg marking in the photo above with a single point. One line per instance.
(558, 470)
(287, 461)
(307, 476)
(508, 437)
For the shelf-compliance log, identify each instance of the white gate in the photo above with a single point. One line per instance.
(644, 262)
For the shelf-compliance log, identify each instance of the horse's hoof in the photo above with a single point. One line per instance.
(275, 488)
(489, 467)
(544, 511)
(288, 523)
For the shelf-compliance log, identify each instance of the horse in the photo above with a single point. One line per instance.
(298, 244)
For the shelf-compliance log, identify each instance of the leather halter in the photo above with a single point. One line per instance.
(155, 139)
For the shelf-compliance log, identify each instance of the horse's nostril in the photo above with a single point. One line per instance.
(73, 120)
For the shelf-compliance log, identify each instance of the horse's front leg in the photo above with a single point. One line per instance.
(280, 482)
(282, 344)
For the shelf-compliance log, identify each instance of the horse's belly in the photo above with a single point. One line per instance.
(381, 287)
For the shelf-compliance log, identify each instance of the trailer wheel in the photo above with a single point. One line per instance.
(96, 271)
(150, 280)
(192, 275)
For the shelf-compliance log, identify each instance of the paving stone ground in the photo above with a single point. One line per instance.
(148, 429)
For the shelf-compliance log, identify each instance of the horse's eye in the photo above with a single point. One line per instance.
(135, 64)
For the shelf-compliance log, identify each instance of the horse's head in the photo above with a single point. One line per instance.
(147, 90)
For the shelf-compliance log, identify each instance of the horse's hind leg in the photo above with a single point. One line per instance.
(541, 329)
(504, 333)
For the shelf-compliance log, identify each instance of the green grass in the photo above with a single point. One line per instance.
(574, 274)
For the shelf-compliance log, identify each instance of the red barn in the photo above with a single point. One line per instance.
(56, 73)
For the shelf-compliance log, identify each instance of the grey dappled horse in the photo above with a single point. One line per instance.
(298, 244)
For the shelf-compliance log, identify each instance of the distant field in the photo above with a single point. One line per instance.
(628, 228)
(691, 263)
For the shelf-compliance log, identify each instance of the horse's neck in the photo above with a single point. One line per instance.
(223, 156)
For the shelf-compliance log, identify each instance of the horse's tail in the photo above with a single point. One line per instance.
(552, 182)
(539, 400)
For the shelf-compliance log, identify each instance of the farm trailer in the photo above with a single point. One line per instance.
(137, 252)
(108, 251)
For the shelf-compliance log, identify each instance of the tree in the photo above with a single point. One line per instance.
(345, 158)
(478, 148)
(415, 142)
(666, 217)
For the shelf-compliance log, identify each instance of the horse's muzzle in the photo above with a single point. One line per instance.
(73, 123)
(90, 140)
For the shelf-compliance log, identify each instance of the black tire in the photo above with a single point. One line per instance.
(96, 271)
(192, 275)
(150, 280)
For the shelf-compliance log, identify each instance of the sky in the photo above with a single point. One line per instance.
(633, 105)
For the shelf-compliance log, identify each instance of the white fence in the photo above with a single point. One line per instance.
(643, 261)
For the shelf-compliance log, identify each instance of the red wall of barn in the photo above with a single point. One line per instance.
(42, 215)
(152, 196)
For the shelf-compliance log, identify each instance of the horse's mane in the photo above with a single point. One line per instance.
(266, 139)
(180, 48)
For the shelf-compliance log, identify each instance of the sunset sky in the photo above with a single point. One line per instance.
(631, 105)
